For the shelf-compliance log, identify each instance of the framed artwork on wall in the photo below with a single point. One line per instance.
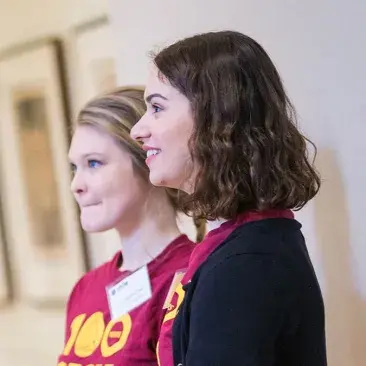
(48, 248)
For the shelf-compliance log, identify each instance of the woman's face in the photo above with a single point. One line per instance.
(165, 130)
(107, 189)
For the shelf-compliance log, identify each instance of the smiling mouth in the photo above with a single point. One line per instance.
(152, 152)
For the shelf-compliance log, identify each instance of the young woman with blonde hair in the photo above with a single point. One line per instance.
(115, 311)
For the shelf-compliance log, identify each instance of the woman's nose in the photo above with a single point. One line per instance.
(78, 184)
(140, 130)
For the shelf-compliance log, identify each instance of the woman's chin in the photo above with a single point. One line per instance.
(156, 179)
(94, 227)
(160, 180)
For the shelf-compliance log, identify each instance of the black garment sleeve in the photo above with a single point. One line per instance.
(236, 313)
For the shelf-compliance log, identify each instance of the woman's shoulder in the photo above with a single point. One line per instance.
(270, 247)
(96, 276)
(267, 236)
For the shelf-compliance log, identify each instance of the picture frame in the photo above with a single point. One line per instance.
(48, 248)
(6, 280)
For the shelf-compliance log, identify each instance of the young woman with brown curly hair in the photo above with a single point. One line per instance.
(220, 127)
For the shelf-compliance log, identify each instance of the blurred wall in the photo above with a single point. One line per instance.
(42, 330)
(21, 22)
(25, 20)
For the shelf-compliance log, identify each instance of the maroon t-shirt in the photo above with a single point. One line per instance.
(202, 250)
(92, 338)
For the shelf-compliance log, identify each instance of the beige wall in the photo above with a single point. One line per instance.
(318, 49)
(23, 21)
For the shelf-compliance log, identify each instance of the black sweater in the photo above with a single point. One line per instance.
(254, 302)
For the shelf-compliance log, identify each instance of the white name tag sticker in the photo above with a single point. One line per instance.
(129, 293)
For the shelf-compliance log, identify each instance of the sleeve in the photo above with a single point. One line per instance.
(236, 314)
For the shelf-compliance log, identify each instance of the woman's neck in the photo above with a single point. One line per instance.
(148, 236)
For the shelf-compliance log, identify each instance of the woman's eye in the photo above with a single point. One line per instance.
(156, 108)
(94, 164)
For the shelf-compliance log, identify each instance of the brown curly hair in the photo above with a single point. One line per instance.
(250, 154)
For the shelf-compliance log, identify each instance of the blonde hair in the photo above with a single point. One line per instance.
(115, 113)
